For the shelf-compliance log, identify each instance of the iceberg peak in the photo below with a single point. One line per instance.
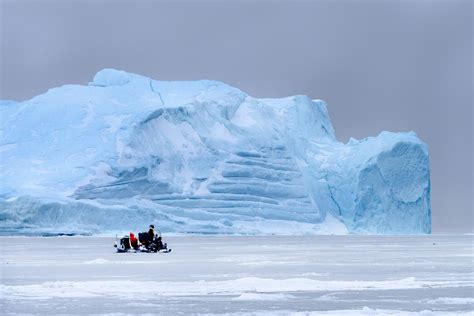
(110, 77)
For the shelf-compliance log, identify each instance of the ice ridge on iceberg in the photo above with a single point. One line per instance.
(200, 157)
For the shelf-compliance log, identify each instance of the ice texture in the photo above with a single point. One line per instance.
(200, 157)
(415, 275)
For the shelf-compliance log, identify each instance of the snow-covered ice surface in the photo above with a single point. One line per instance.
(200, 157)
(306, 275)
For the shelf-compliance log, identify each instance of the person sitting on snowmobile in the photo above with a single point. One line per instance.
(133, 241)
(151, 233)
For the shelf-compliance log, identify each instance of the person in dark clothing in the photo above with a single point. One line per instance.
(151, 233)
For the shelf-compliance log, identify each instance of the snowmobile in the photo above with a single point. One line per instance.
(144, 243)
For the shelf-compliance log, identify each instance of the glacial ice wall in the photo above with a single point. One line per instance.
(199, 157)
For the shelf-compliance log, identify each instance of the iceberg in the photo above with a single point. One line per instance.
(200, 157)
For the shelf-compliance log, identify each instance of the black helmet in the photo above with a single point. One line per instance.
(152, 226)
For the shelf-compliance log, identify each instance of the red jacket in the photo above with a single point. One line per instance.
(133, 240)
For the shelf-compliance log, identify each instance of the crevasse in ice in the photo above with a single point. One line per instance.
(200, 157)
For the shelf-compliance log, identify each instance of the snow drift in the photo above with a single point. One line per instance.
(200, 157)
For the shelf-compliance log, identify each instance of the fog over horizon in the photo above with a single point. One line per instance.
(391, 65)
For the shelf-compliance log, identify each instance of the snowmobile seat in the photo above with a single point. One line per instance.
(144, 238)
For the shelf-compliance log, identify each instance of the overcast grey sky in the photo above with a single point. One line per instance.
(380, 65)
